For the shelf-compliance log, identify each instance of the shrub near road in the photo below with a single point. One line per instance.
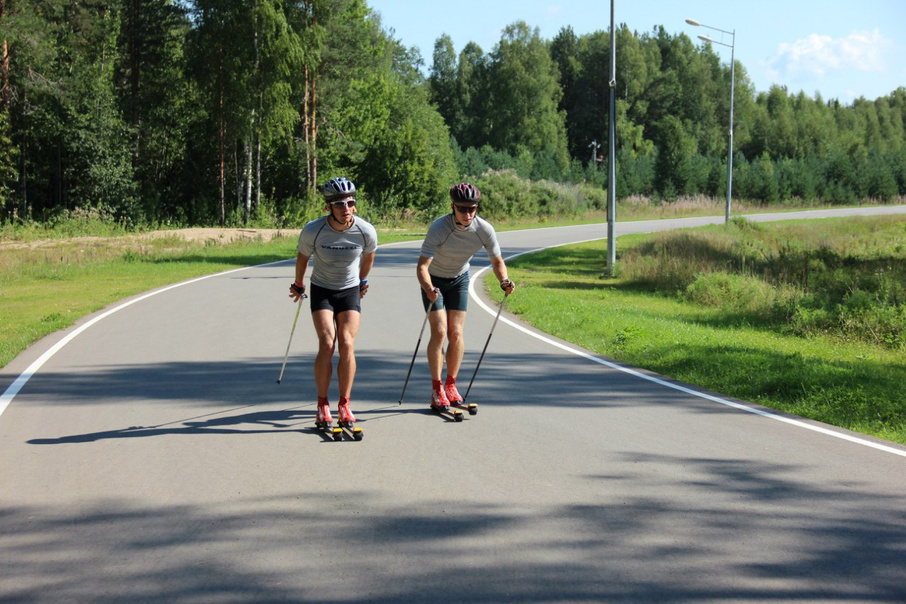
(807, 317)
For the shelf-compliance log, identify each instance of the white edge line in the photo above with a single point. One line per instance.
(26, 375)
(660, 382)
(32, 369)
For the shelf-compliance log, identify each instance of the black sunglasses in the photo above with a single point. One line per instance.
(465, 209)
(343, 204)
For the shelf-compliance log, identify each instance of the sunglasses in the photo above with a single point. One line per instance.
(465, 209)
(343, 204)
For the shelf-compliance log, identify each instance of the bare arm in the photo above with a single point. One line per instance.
(499, 268)
(365, 265)
(424, 278)
(301, 267)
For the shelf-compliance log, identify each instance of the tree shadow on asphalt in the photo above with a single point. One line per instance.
(217, 396)
(738, 530)
(213, 392)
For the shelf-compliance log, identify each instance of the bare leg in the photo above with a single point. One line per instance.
(326, 330)
(347, 329)
(438, 322)
(455, 321)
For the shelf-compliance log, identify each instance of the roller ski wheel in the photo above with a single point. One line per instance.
(351, 430)
(346, 421)
(472, 408)
(334, 432)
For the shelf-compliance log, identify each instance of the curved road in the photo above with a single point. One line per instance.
(148, 454)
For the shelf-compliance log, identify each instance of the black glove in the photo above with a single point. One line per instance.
(298, 289)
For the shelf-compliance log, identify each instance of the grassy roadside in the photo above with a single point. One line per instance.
(718, 341)
(37, 299)
(849, 383)
(48, 288)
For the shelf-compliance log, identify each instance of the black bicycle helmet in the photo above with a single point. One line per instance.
(338, 188)
(465, 192)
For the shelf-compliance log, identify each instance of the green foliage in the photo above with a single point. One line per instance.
(8, 173)
(846, 280)
(204, 111)
(505, 196)
(726, 324)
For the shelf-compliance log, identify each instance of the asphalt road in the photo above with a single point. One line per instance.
(147, 454)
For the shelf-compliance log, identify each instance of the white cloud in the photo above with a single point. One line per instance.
(817, 55)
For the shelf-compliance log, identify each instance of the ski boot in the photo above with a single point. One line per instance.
(439, 400)
(323, 420)
(344, 413)
(456, 399)
(346, 420)
(452, 393)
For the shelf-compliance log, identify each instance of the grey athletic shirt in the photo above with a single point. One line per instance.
(335, 255)
(450, 247)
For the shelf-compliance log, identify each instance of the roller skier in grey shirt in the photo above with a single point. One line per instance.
(341, 248)
(443, 274)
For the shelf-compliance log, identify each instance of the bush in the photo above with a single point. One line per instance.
(737, 293)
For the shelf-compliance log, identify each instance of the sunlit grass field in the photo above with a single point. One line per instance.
(745, 330)
(728, 342)
(39, 297)
(47, 288)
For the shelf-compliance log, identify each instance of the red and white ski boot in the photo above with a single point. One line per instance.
(344, 413)
(452, 393)
(324, 419)
(439, 400)
(346, 420)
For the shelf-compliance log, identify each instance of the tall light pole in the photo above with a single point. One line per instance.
(612, 152)
(732, 46)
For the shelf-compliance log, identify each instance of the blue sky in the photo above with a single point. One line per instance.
(838, 48)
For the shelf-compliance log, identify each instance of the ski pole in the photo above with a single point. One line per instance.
(483, 350)
(292, 331)
(414, 354)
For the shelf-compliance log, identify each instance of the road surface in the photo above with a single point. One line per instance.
(147, 454)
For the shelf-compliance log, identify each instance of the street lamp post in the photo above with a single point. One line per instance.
(732, 46)
(611, 154)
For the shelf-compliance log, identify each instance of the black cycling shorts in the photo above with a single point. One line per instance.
(454, 293)
(337, 300)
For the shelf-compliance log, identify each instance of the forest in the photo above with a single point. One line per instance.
(232, 112)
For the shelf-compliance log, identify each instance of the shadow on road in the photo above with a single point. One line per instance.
(376, 550)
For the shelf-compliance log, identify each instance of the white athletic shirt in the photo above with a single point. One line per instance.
(450, 247)
(335, 255)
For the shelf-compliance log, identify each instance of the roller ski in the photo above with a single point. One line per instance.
(440, 404)
(346, 422)
(324, 421)
(456, 400)
(452, 394)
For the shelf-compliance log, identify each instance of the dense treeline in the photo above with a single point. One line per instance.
(232, 111)
(673, 103)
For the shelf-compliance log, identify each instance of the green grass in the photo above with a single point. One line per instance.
(48, 288)
(40, 297)
(833, 376)
(717, 334)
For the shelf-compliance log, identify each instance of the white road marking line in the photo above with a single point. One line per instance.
(32, 369)
(660, 382)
